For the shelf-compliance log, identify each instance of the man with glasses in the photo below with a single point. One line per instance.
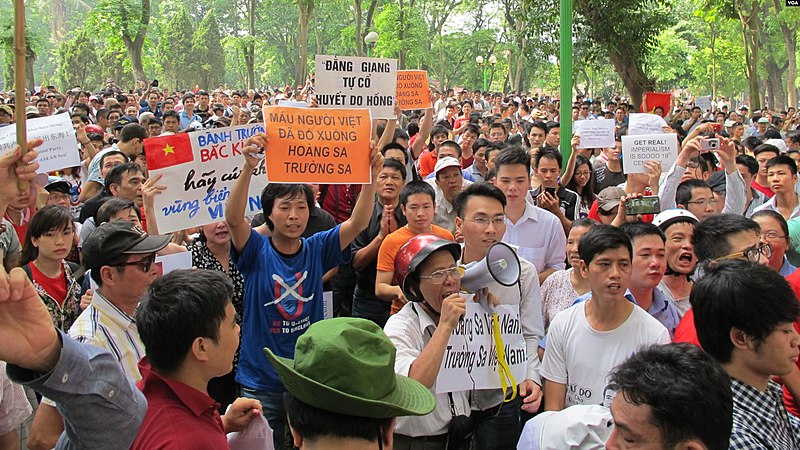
(719, 238)
(121, 258)
(480, 210)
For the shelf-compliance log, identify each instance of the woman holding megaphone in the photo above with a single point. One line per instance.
(426, 270)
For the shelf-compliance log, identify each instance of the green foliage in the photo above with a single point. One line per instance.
(207, 53)
(77, 60)
(174, 50)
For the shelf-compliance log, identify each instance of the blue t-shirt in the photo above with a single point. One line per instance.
(282, 298)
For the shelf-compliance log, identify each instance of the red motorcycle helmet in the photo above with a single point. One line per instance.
(413, 253)
(91, 128)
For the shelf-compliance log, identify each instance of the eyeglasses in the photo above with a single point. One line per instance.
(57, 196)
(704, 202)
(485, 221)
(774, 235)
(751, 254)
(439, 276)
(583, 174)
(144, 263)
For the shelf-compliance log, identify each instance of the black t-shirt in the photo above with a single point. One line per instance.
(568, 201)
(605, 178)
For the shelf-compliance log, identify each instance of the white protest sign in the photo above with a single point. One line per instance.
(354, 82)
(595, 133)
(174, 261)
(644, 123)
(293, 104)
(59, 150)
(470, 358)
(636, 150)
(199, 169)
(703, 103)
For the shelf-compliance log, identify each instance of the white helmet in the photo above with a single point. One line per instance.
(672, 216)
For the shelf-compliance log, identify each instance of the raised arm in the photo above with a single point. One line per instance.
(424, 133)
(362, 211)
(234, 210)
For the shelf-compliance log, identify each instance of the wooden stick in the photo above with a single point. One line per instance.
(19, 81)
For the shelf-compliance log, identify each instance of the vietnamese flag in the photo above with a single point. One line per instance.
(168, 151)
(652, 100)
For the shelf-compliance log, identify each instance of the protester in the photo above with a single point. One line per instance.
(775, 231)
(782, 178)
(561, 289)
(588, 340)
(189, 329)
(427, 273)
(481, 222)
(744, 313)
(351, 403)
(283, 272)
(678, 226)
(536, 232)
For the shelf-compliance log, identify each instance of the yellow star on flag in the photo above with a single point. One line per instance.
(169, 149)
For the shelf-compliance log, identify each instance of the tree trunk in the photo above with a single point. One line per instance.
(301, 69)
(712, 46)
(789, 37)
(359, 40)
(249, 50)
(777, 94)
(135, 53)
(633, 77)
(59, 19)
(134, 44)
(30, 58)
(750, 39)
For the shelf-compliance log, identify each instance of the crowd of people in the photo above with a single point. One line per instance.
(673, 328)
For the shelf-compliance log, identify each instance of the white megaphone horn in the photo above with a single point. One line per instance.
(501, 264)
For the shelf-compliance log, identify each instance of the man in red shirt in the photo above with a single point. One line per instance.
(188, 326)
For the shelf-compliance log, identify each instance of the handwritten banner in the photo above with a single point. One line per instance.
(199, 169)
(470, 358)
(315, 145)
(354, 82)
(636, 150)
(412, 90)
(60, 148)
(643, 123)
(595, 133)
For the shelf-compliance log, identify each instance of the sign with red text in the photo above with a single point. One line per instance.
(412, 90)
(316, 145)
(199, 169)
(355, 82)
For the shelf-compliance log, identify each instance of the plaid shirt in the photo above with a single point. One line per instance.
(760, 420)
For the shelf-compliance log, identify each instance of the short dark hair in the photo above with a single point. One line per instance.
(765, 148)
(512, 156)
(752, 142)
(83, 117)
(132, 131)
(112, 206)
(177, 309)
(480, 189)
(710, 236)
(394, 146)
(111, 153)
(740, 294)
(394, 164)
(794, 136)
(171, 113)
(638, 229)
(312, 423)
(492, 147)
(49, 218)
(451, 144)
(438, 129)
(552, 125)
(416, 187)
(749, 162)
(602, 238)
(498, 125)
(274, 191)
(783, 160)
(681, 384)
(684, 193)
(114, 176)
(549, 154)
(472, 128)
(479, 143)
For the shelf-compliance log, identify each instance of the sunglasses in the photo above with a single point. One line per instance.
(144, 263)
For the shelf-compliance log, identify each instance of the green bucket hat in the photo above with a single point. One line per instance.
(346, 366)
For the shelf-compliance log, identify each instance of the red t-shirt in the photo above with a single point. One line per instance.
(427, 163)
(178, 415)
(55, 287)
(763, 189)
(686, 332)
(791, 403)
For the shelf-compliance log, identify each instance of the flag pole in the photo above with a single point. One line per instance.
(19, 80)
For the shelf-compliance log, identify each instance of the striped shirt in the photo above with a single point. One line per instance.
(104, 325)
